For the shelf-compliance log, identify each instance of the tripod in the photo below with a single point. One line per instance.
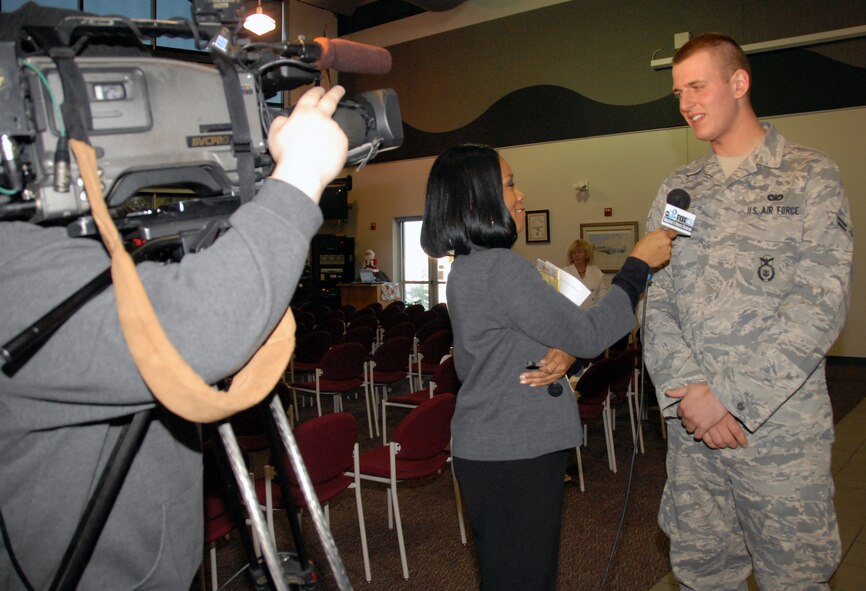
(282, 570)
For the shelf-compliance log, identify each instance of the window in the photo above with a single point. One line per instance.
(423, 278)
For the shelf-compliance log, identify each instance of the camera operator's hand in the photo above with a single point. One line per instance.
(308, 146)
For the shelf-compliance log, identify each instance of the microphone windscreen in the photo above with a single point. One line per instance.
(679, 198)
(353, 57)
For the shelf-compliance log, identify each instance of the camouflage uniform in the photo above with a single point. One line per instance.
(749, 305)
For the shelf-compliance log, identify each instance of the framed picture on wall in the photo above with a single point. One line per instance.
(538, 226)
(612, 241)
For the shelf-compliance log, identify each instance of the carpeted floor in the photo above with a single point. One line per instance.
(438, 560)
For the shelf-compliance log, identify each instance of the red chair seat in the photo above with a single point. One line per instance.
(330, 385)
(388, 377)
(376, 462)
(325, 491)
(415, 398)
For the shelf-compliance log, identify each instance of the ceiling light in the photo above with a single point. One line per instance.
(259, 23)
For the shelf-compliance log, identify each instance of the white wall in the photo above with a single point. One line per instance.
(624, 173)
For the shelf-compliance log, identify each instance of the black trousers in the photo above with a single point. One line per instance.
(515, 508)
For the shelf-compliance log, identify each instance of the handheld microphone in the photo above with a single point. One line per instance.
(353, 57)
(676, 217)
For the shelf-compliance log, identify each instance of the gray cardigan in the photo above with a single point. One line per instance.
(504, 317)
(217, 308)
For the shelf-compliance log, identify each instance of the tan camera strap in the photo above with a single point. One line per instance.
(171, 380)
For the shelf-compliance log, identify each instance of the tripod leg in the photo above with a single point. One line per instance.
(283, 479)
(330, 547)
(269, 550)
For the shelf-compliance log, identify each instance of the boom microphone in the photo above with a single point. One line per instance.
(353, 57)
(676, 215)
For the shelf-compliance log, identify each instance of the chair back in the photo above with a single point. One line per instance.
(404, 329)
(365, 320)
(445, 377)
(394, 319)
(426, 431)
(344, 361)
(348, 311)
(326, 445)
(622, 370)
(414, 309)
(360, 334)
(424, 317)
(335, 326)
(428, 328)
(393, 354)
(436, 346)
(337, 313)
(312, 346)
(391, 309)
(376, 308)
(602, 377)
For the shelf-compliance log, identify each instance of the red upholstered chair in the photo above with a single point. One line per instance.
(218, 519)
(329, 448)
(338, 373)
(414, 310)
(335, 326)
(418, 450)
(309, 350)
(365, 321)
(430, 352)
(444, 381)
(388, 365)
(360, 334)
(427, 329)
(349, 311)
(424, 317)
(623, 390)
(389, 320)
(593, 402)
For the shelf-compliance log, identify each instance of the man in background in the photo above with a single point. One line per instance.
(737, 331)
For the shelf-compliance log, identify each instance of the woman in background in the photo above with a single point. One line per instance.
(510, 440)
(579, 256)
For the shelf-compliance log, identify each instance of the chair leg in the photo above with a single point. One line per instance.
(608, 432)
(458, 501)
(213, 567)
(269, 499)
(579, 468)
(384, 423)
(360, 506)
(396, 504)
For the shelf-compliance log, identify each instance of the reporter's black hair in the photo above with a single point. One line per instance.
(464, 205)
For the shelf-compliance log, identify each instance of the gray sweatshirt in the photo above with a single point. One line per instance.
(504, 317)
(217, 307)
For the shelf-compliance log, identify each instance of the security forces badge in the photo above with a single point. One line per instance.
(766, 272)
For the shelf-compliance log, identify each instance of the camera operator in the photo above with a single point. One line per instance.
(61, 413)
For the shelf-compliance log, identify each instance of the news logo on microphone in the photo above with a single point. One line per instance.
(676, 217)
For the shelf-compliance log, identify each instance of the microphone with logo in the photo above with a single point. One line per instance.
(676, 215)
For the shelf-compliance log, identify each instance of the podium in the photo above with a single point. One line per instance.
(362, 295)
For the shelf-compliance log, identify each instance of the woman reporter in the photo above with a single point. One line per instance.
(510, 440)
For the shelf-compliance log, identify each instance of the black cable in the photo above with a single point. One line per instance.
(619, 528)
(8, 543)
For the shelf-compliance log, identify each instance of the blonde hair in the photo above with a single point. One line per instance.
(581, 244)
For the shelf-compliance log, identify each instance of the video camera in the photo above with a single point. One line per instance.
(180, 145)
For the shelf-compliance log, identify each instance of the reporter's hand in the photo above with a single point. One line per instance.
(655, 248)
(550, 369)
(308, 146)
